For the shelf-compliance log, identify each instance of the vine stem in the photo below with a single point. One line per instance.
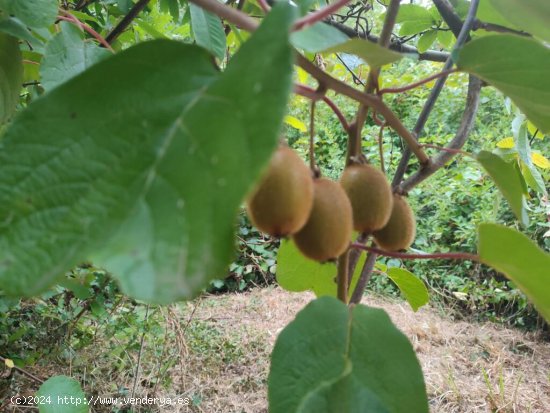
(23, 372)
(125, 22)
(318, 15)
(414, 85)
(247, 23)
(406, 256)
(72, 19)
(313, 94)
(354, 146)
(312, 164)
(450, 150)
(342, 277)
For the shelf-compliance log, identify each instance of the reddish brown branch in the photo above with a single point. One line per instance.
(72, 19)
(319, 15)
(406, 256)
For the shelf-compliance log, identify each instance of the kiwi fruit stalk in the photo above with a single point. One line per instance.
(281, 203)
(370, 195)
(399, 232)
(328, 230)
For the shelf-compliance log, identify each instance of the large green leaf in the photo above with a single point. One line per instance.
(372, 53)
(141, 163)
(520, 259)
(412, 287)
(208, 30)
(297, 273)
(532, 16)
(67, 55)
(332, 359)
(11, 75)
(413, 19)
(34, 13)
(61, 394)
(518, 67)
(508, 180)
(318, 38)
(16, 28)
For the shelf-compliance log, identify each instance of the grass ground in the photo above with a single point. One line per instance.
(215, 351)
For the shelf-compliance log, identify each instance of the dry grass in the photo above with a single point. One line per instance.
(468, 367)
(215, 350)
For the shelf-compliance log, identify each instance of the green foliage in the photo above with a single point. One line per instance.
(520, 72)
(162, 224)
(208, 30)
(509, 181)
(520, 259)
(331, 358)
(530, 15)
(61, 394)
(412, 287)
(67, 55)
(371, 53)
(11, 74)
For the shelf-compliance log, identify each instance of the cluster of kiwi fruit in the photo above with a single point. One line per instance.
(320, 214)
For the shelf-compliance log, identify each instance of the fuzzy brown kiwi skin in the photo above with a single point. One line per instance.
(281, 203)
(370, 195)
(328, 231)
(399, 232)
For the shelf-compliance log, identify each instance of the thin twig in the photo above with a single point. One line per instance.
(342, 277)
(430, 55)
(354, 146)
(24, 372)
(417, 84)
(366, 274)
(72, 19)
(381, 148)
(125, 22)
(406, 256)
(318, 15)
(312, 164)
(311, 93)
(136, 374)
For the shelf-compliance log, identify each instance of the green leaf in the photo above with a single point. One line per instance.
(61, 394)
(67, 55)
(520, 259)
(208, 30)
(372, 53)
(518, 67)
(17, 29)
(297, 273)
(528, 169)
(411, 286)
(11, 75)
(413, 19)
(445, 38)
(487, 13)
(318, 38)
(332, 359)
(426, 40)
(533, 16)
(131, 171)
(34, 13)
(508, 180)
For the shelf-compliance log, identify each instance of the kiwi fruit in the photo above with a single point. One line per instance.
(399, 232)
(328, 230)
(281, 203)
(370, 195)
